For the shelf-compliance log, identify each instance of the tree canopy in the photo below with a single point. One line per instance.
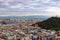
(52, 23)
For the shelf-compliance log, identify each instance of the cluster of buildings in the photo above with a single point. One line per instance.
(22, 29)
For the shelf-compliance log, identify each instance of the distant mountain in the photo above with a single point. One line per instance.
(52, 23)
(43, 17)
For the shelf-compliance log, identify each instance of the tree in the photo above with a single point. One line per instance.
(52, 23)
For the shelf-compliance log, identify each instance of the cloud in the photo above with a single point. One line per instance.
(45, 1)
(28, 14)
(30, 7)
(19, 6)
(53, 9)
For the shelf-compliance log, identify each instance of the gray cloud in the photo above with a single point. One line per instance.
(29, 6)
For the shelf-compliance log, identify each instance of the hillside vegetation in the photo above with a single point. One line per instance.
(52, 23)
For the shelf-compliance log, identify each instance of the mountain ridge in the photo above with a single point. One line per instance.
(44, 17)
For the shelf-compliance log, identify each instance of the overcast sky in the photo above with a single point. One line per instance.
(29, 7)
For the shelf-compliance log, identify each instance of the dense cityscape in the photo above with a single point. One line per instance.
(29, 19)
(22, 29)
